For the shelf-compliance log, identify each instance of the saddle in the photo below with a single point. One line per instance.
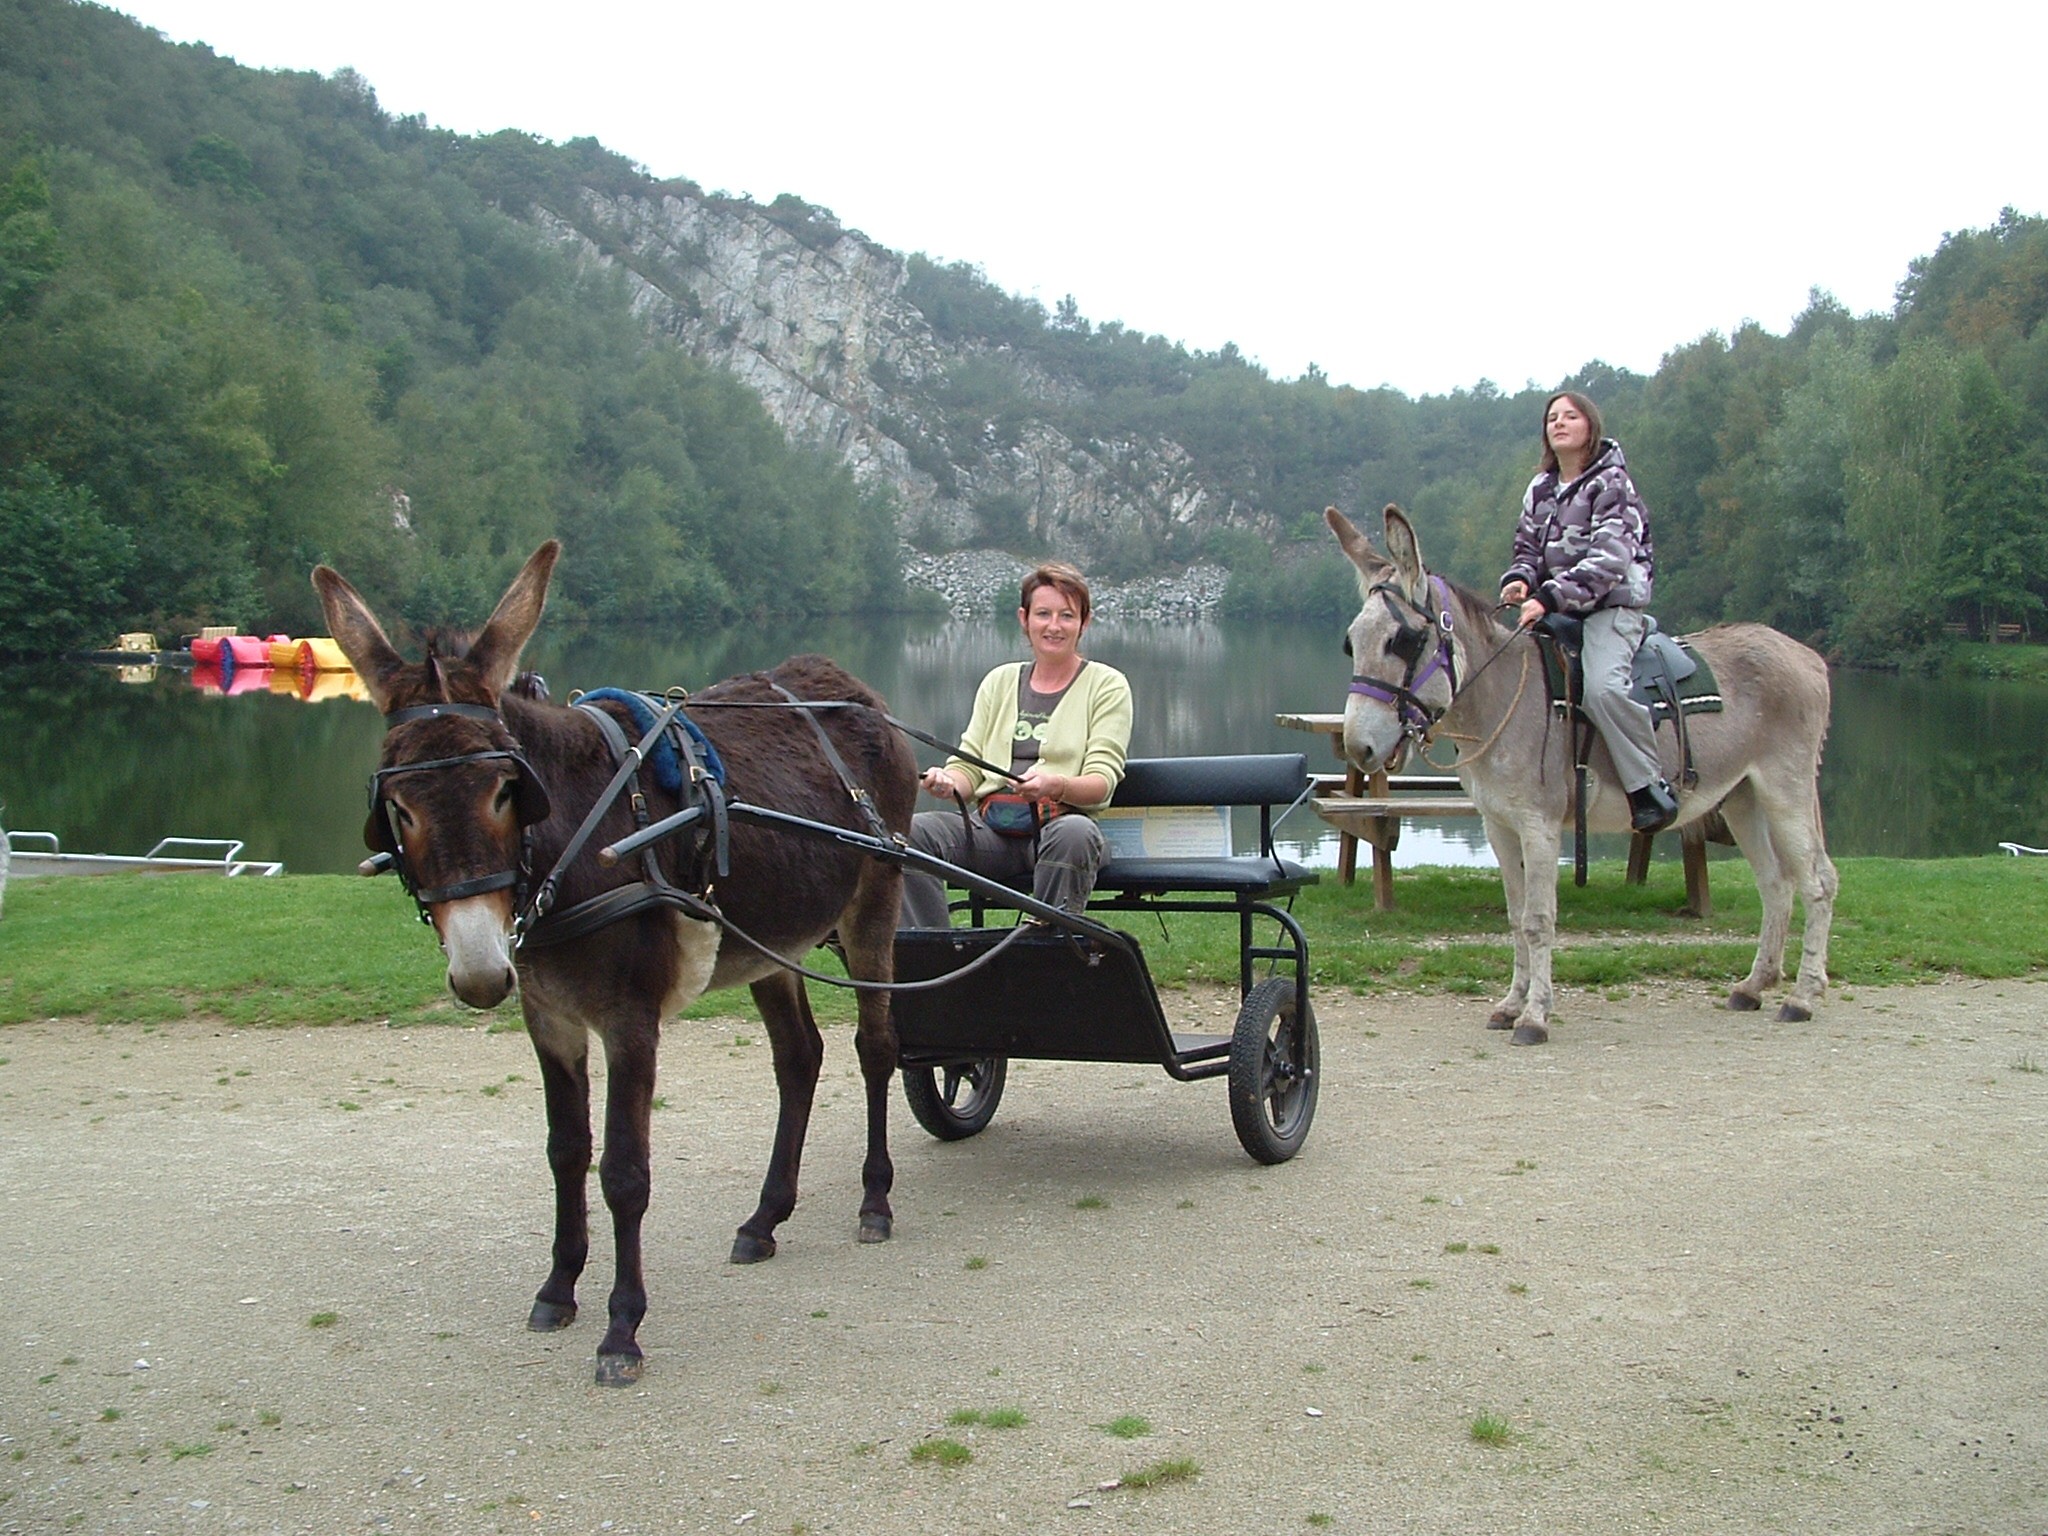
(687, 765)
(1666, 675)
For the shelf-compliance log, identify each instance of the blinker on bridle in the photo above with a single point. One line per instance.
(1408, 645)
(381, 833)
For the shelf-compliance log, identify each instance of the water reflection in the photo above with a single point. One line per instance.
(1914, 768)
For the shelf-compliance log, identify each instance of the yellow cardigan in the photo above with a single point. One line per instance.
(1089, 732)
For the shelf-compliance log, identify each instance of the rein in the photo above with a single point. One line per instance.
(535, 922)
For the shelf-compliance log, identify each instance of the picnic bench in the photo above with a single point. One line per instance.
(1370, 809)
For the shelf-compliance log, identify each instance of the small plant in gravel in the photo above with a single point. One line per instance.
(1491, 1429)
(1128, 1426)
(1177, 1469)
(109, 1415)
(2026, 1064)
(946, 1453)
(1456, 1247)
(1318, 1519)
(977, 1261)
(1091, 1203)
(197, 1448)
(323, 1319)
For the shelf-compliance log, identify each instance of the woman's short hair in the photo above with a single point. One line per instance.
(1548, 463)
(1062, 577)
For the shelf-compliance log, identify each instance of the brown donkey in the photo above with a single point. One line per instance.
(479, 794)
(1428, 658)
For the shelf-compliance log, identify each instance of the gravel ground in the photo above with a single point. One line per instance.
(1701, 1271)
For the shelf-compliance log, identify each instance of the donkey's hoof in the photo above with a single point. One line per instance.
(1742, 1002)
(1500, 1018)
(1529, 1034)
(1794, 1013)
(874, 1228)
(748, 1249)
(619, 1370)
(547, 1316)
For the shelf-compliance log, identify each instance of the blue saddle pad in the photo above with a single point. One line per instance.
(666, 762)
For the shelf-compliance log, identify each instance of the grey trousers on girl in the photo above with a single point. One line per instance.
(1060, 867)
(1613, 636)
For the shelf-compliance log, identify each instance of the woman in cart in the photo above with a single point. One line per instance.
(1063, 724)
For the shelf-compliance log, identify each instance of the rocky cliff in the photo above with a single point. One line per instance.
(964, 431)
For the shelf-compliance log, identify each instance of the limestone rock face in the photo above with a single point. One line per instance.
(966, 432)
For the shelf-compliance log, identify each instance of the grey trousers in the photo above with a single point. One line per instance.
(1612, 638)
(1060, 867)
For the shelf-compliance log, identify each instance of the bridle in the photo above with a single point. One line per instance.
(383, 836)
(1411, 640)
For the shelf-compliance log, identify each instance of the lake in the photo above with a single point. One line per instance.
(1914, 768)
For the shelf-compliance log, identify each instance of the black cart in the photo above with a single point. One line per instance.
(1073, 988)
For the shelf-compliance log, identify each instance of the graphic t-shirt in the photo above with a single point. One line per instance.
(1034, 710)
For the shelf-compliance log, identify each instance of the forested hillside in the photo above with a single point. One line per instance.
(1863, 482)
(249, 320)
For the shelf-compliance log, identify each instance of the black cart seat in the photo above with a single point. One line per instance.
(1263, 780)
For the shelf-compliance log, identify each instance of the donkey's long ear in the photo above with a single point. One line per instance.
(1407, 554)
(357, 632)
(513, 621)
(1371, 568)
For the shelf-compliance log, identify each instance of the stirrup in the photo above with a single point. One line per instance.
(1653, 807)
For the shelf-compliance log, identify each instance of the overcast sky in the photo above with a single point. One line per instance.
(1415, 195)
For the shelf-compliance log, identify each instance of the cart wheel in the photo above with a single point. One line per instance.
(1275, 1064)
(954, 1102)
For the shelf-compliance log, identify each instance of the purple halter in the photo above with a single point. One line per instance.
(1417, 717)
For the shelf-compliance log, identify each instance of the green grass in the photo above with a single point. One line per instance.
(988, 1418)
(1128, 1426)
(1179, 1469)
(331, 949)
(947, 1453)
(1491, 1429)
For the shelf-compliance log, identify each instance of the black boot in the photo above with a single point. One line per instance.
(1652, 808)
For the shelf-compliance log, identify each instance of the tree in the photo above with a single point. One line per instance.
(30, 252)
(1997, 552)
(61, 581)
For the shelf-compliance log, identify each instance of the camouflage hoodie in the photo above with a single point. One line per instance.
(1585, 544)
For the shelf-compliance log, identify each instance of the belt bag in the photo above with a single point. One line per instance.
(1011, 815)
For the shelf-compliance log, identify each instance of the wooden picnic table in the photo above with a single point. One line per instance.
(1370, 809)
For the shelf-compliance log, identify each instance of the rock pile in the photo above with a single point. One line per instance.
(975, 582)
